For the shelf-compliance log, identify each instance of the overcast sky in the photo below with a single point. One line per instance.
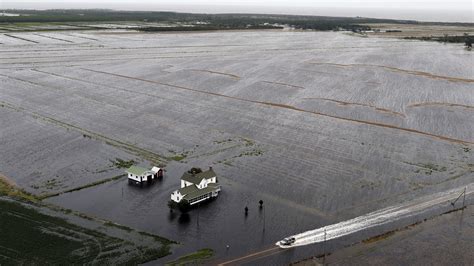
(441, 10)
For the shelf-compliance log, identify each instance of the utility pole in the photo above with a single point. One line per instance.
(464, 198)
(264, 218)
(324, 247)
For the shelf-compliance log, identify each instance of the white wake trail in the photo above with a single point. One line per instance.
(377, 218)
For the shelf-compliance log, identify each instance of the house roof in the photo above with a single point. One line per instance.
(187, 190)
(136, 170)
(213, 185)
(196, 178)
(197, 192)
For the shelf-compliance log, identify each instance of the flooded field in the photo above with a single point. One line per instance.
(322, 127)
(21, 224)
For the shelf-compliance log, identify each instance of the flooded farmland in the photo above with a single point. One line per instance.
(322, 126)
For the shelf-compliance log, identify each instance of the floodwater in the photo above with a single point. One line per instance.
(222, 222)
(323, 127)
(215, 224)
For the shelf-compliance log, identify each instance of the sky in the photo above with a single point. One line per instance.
(426, 10)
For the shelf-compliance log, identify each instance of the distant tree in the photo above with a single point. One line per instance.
(195, 170)
(172, 205)
(468, 42)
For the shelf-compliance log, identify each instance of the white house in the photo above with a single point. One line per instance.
(197, 187)
(139, 175)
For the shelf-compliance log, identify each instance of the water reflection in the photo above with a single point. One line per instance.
(184, 219)
(172, 215)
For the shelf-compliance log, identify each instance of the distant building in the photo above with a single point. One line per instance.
(139, 175)
(197, 187)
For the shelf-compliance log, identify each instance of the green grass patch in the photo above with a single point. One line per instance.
(28, 237)
(123, 227)
(119, 163)
(195, 258)
(7, 189)
(158, 238)
(178, 157)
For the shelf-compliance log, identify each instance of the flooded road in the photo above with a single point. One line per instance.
(443, 240)
(384, 216)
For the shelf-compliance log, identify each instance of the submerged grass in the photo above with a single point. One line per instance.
(93, 184)
(195, 258)
(39, 239)
(178, 157)
(111, 224)
(158, 238)
(140, 152)
(119, 163)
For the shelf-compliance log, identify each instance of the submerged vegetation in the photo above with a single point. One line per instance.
(10, 190)
(36, 238)
(178, 157)
(93, 184)
(119, 163)
(195, 258)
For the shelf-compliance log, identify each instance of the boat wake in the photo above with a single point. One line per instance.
(377, 218)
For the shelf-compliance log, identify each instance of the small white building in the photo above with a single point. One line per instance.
(197, 187)
(139, 175)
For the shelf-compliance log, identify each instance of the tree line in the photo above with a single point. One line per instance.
(212, 21)
(466, 39)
